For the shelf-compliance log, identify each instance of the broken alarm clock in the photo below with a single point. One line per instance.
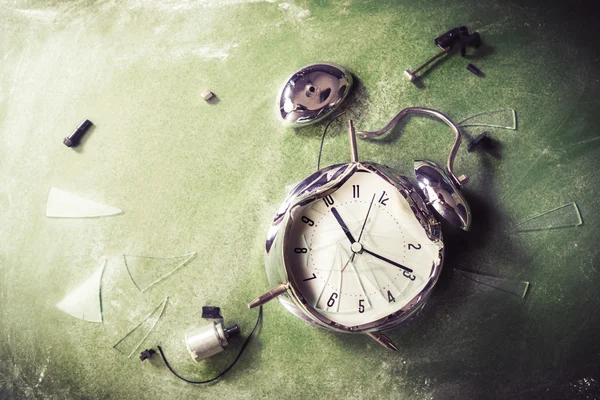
(356, 247)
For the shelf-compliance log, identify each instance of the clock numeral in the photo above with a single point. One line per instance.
(328, 200)
(311, 278)
(308, 221)
(414, 247)
(383, 199)
(301, 250)
(355, 191)
(408, 275)
(331, 300)
(390, 297)
(361, 306)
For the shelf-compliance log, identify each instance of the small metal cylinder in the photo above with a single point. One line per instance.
(206, 341)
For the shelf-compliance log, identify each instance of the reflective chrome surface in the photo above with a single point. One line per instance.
(317, 186)
(312, 93)
(441, 192)
(439, 187)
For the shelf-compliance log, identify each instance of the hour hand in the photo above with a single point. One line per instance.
(340, 221)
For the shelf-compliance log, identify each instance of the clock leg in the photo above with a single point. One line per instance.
(270, 295)
(382, 340)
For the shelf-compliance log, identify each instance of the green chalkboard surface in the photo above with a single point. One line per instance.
(205, 178)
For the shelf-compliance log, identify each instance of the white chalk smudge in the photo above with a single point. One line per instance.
(293, 12)
(44, 16)
(207, 53)
(186, 5)
(43, 373)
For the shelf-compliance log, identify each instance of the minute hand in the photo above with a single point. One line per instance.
(395, 264)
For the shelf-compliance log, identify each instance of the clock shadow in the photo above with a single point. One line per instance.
(466, 326)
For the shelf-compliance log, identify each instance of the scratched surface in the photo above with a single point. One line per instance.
(197, 177)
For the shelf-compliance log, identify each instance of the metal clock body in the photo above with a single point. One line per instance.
(376, 281)
(356, 247)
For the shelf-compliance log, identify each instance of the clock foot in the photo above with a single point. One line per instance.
(382, 340)
(270, 295)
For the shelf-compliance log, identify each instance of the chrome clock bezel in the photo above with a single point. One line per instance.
(315, 187)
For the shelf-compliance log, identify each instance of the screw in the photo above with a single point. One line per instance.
(412, 75)
(73, 139)
(232, 331)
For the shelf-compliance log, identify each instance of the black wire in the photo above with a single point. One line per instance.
(258, 321)
(323, 138)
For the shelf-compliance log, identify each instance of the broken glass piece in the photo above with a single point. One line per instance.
(288, 188)
(518, 288)
(146, 272)
(505, 119)
(62, 204)
(136, 337)
(85, 302)
(565, 216)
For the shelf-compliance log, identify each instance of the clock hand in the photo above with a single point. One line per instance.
(364, 224)
(347, 262)
(340, 221)
(387, 260)
(366, 217)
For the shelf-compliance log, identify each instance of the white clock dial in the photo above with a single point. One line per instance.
(360, 253)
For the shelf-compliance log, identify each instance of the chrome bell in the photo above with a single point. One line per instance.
(312, 93)
(442, 194)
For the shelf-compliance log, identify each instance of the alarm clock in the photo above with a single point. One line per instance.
(357, 247)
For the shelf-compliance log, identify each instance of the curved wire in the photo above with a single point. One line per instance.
(323, 138)
(430, 112)
(162, 354)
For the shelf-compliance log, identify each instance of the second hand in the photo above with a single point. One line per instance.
(364, 224)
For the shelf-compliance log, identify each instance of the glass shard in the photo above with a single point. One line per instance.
(62, 204)
(565, 216)
(146, 272)
(505, 119)
(85, 302)
(136, 337)
(518, 288)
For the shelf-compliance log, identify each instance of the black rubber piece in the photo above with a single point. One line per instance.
(473, 40)
(450, 38)
(474, 69)
(473, 143)
(147, 354)
(211, 312)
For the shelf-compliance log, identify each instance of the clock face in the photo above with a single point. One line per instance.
(360, 254)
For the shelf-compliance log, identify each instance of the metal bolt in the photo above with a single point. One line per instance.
(232, 331)
(412, 75)
(474, 69)
(73, 139)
